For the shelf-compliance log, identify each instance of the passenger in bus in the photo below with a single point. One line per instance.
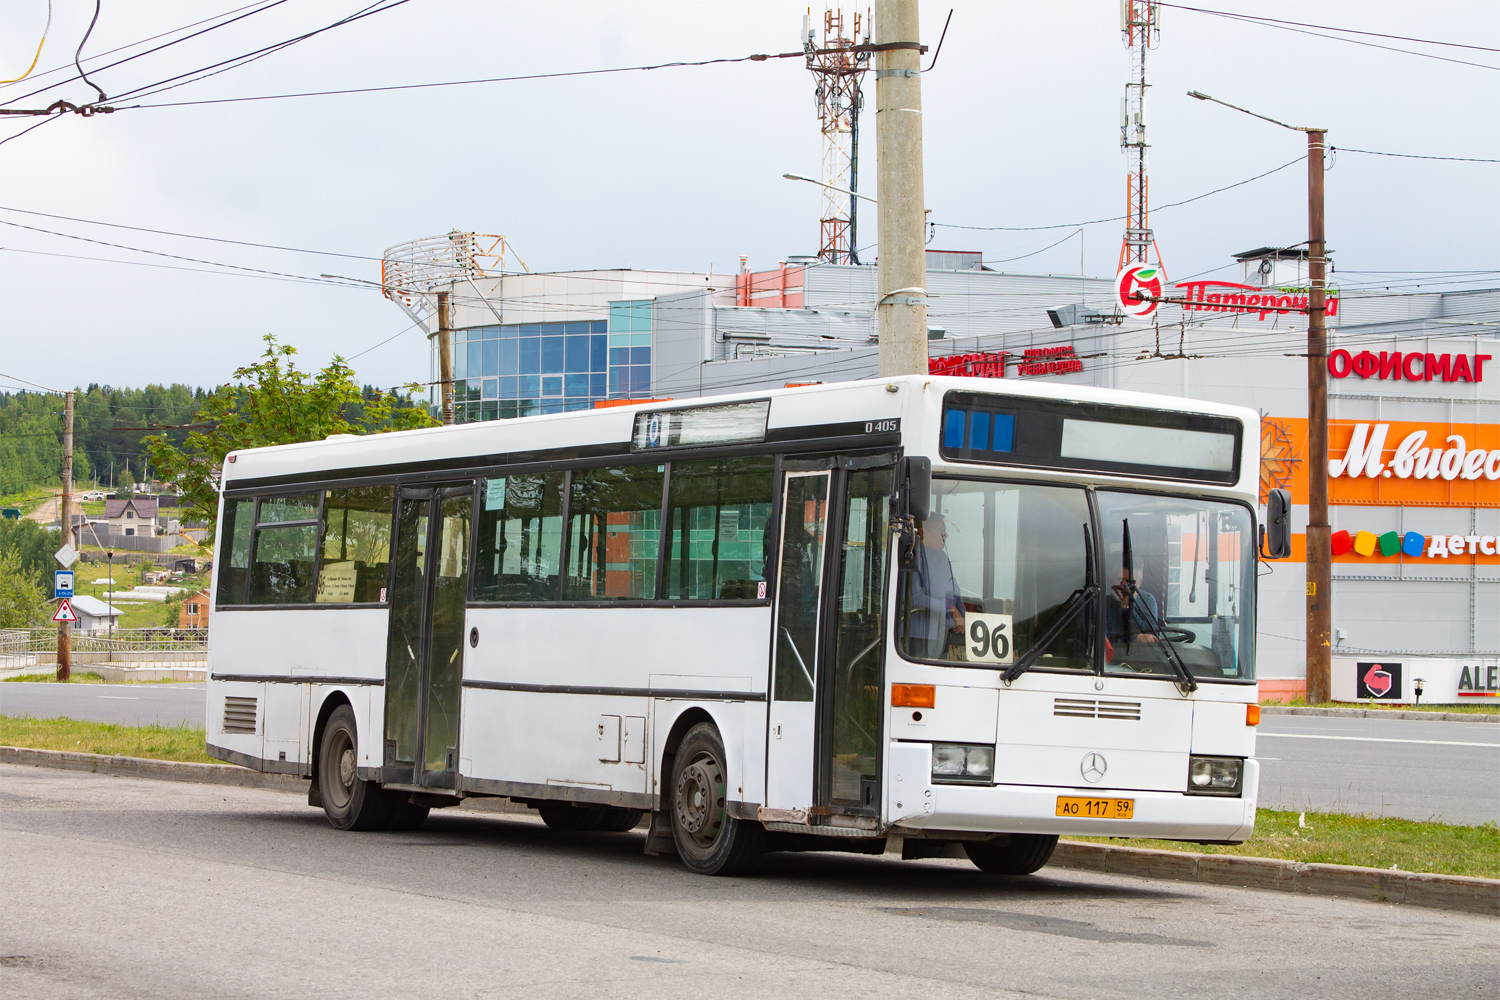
(1132, 615)
(936, 617)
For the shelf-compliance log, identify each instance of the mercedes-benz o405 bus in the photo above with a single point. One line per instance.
(926, 614)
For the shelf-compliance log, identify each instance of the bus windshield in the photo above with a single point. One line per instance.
(1178, 571)
(995, 569)
(1000, 571)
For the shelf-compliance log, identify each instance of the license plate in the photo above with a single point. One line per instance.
(1068, 805)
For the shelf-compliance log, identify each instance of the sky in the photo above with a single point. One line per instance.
(680, 168)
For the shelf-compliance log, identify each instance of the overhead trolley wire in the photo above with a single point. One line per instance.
(45, 28)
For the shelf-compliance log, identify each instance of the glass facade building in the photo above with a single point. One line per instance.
(522, 369)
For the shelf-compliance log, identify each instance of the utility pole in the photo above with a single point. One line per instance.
(65, 629)
(1319, 532)
(445, 358)
(902, 306)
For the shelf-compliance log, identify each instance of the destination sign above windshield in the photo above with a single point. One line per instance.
(1093, 437)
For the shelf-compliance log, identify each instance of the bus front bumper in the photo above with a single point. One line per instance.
(1033, 809)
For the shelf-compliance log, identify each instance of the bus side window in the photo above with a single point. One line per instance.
(239, 522)
(286, 550)
(614, 531)
(520, 537)
(356, 552)
(717, 512)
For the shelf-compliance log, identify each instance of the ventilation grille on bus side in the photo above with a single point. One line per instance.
(1089, 708)
(239, 715)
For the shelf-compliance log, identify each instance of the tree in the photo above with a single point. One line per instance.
(23, 603)
(274, 402)
(125, 488)
(30, 546)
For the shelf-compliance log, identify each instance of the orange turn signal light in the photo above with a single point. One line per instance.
(1252, 715)
(913, 695)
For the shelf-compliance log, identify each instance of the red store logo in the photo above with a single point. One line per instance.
(1412, 365)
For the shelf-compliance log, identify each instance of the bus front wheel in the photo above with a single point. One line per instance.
(1011, 854)
(708, 839)
(349, 802)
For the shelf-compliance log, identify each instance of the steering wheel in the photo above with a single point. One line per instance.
(1172, 633)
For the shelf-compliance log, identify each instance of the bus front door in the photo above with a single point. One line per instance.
(425, 648)
(799, 605)
(825, 718)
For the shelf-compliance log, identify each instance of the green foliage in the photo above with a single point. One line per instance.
(31, 546)
(23, 603)
(273, 403)
(124, 485)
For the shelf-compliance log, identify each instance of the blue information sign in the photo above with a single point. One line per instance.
(62, 583)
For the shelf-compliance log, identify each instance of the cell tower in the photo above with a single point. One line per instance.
(838, 69)
(1140, 25)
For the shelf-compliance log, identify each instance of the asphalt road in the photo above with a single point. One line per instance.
(1423, 770)
(128, 704)
(118, 887)
(1414, 769)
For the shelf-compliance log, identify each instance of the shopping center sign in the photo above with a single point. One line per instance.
(1059, 360)
(1414, 366)
(1228, 296)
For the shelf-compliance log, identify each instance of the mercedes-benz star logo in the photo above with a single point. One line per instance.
(1093, 767)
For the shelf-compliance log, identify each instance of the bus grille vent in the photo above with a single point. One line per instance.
(1089, 708)
(239, 715)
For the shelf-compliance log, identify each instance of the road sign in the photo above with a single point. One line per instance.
(65, 612)
(62, 583)
(67, 555)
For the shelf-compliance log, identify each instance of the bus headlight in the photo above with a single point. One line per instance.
(963, 762)
(1215, 775)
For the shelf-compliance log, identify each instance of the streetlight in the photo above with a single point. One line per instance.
(831, 187)
(1318, 540)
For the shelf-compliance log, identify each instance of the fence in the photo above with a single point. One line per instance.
(127, 647)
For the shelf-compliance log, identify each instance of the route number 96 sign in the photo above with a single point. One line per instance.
(988, 638)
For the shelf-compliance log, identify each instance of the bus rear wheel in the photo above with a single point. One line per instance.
(1011, 854)
(708, 839)
(565, 817)
(349, 802)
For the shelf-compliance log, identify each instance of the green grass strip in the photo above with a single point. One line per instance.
(158, 742)
(1337, 839)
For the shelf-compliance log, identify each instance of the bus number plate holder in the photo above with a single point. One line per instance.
(1069, 805)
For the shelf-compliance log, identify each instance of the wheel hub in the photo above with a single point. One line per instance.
(700, 800)
(346, 767)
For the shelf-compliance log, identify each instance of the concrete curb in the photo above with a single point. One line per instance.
(1377, 713)
(159, 770)
(1447, 892)
(1444, 892)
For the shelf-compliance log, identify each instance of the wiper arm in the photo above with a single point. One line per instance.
(1077, 601)
(1185, 679)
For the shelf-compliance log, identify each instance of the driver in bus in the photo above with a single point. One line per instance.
(936, 621)
(1133, 615)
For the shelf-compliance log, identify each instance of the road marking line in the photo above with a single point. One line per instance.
(1381, 739)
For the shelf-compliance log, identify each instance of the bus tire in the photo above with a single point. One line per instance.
(349, 802)
(565, 817)
(708, 839)
(1012, 854)
(406, 817)
(620, 820)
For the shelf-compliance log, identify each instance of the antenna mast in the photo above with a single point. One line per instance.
(838, 69)
(1140, 26)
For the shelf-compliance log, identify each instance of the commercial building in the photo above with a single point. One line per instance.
(1414, 410)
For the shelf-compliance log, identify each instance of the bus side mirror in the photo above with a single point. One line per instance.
(915, 485)
(1277, 534)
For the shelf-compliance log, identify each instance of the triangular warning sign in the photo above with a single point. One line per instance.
(65, 612)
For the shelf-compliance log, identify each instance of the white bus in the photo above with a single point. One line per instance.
(937, 615)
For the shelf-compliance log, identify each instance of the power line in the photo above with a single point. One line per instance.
(1117, 218)
(165, 45)
(1412, 156)
(1287, 26)
(45, 28)
(1326, 27)
(758, 57)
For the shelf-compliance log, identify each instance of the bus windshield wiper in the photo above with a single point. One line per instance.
(1078, 600)
(1154, 626)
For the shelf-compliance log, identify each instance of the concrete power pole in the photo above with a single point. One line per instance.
(1319, 532)
(902, 307)
(445, 358)
(65, 629)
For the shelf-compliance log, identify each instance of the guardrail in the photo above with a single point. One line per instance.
(26, 647)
